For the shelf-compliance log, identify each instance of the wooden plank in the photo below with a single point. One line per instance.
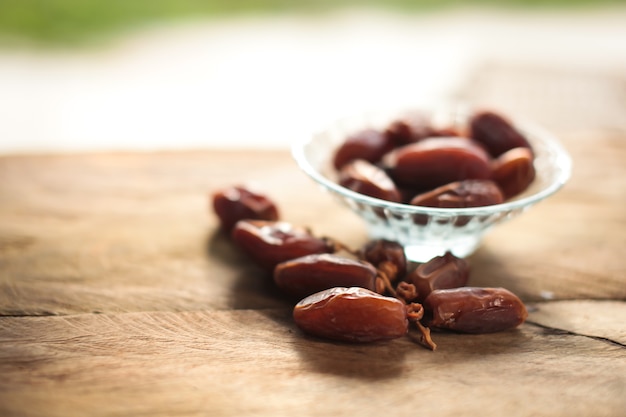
(133, 232)
(599, 319)
(190, 327)
(244, 362)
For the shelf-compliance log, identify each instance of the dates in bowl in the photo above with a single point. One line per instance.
(435, 180)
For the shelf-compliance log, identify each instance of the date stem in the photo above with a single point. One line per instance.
(387, 284)
(425, 339)
(414, 313)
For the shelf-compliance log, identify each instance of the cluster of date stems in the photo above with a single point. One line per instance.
(373, 293)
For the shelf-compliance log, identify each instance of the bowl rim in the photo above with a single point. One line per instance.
(563, 162)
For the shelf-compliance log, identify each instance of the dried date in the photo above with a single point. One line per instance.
(409, 129)
(434, 162)
(367, 179)
(474, 310)
(368, 144)
(309, 274)
(441, 272)
(416, 127)
(496, 133)
(269, 243)
(387, 256)
(513, 171)
(352, 315)
(236, 203)
(461, 194)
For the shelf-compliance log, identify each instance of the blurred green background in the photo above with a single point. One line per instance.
(75, 21)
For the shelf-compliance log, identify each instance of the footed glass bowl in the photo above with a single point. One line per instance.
(427, 232)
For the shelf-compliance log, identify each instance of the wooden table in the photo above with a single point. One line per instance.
(118, 297)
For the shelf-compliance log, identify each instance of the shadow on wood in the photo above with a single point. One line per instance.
(251, 287)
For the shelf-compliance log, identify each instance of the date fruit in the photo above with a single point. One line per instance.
(496, 133)
(461, 194)
(269, 243)
(409, 130)
(368, 144)
(385, 255)
(236, 203)
(441, 272)
(513, 171)
(365, 178)
(434, 162)
(309, 274)
(475, 310)
(351, 315)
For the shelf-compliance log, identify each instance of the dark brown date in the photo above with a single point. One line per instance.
(461, 194)
(410, 129)
(387, 256)
(365, 178)
(309, 274)
(351, 315)
(513, 171)
(236, 203)
(474, 310)
(496, 133)
(434, 162)
(415, 127)
(441, 272)
(269, 243)
(368, 144)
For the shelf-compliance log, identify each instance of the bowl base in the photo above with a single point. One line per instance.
(421, 250)
(423, 253)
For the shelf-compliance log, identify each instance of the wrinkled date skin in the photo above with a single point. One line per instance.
(309, 274)
(386, 255)
(461, 194)
(434, 162)
(367, 179)
(513, 171)
(368, 144)
(496, 133)
(269, 243)
(475, 310)
(441, 272)
(351, 315)
(239, 203)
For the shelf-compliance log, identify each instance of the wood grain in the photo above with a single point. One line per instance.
(248, 362)
(133, 232)
(118, 296)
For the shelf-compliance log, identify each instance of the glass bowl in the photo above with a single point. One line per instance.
(427, 232)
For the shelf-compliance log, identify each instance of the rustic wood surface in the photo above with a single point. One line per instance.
(119, 297)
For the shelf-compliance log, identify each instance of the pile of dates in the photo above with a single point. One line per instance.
(361, 295)
(484, 162)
